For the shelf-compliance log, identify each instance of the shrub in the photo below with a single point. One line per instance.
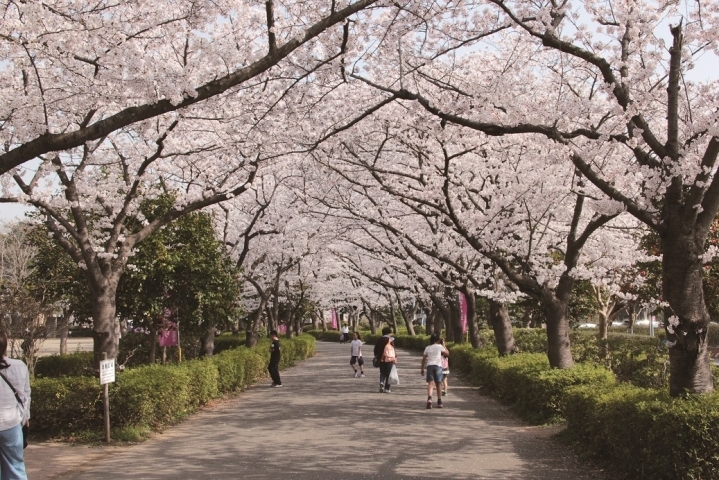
(69, 365)
(227, 342)
(643, 433)
(67, 404)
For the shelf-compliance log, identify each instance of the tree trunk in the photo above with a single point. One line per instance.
(208, 341)
(105, 327)
(502, 327)
(392, 316)
(153, 342)
(472, 327)
(449, 320)
(440, 320)
(253, 324)
(686, 316)
(406, 318)
(315, 321)
(456, 320)
(558, 345)
(632, 310)
(63, 329)
(429, 321)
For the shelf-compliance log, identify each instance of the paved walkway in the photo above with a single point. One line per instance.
(324, 424)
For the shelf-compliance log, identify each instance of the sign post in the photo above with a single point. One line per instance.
(107, 376)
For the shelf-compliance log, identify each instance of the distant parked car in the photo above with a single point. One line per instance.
(617, 323)
(587, 325)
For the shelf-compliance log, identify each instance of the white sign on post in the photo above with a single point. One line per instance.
(107, 371)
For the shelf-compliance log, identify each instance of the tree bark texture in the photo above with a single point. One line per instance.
(558, 345)
(63, 329)
(105, 327)
(208, 341)
(472, 327)
(682, 286)
(502, 327)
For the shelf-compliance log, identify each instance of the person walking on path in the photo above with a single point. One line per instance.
(274, 366)
(344, 337)
(14, 413)
(385, 352)
(356, 355)
(432, 359)
(445, 371)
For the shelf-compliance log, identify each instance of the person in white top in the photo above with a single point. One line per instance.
(356, 355)
(14, 413)
(345, 334)
(432, 359)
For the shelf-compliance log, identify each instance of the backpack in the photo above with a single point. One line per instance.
(389, 354)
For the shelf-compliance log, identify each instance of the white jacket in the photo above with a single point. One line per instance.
(11, 413)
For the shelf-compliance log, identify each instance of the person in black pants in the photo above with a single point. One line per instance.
(274, 366)
(385, 363)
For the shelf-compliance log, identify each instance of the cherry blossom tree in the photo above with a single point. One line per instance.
(610, 83)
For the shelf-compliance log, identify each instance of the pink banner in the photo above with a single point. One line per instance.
(463, 310)
(334, 319)
(169, 336)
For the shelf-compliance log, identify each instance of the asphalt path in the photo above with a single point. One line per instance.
(325, 424)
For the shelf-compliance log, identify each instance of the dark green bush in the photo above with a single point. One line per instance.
(713, 334)
(227, 342)
(69, 365)
(328, 336)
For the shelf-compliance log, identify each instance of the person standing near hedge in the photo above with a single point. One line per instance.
(14, 413)
(274, 366)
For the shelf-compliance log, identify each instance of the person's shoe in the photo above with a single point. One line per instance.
(381, 389)
(273, 384)
(444, 393)
(439, 404)
(387, 390)
(361, 375)
(355, 375)
(277, 385)
(429, 404)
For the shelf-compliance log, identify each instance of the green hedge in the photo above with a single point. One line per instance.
(70, 365)
(643, 433)
(154, 395)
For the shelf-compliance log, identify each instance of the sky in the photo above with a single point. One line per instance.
(11, 211)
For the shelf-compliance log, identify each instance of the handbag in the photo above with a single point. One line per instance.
(25, 428)
(393, 376)
(375, 362)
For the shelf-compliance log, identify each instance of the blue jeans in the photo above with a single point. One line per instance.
(12, 462)
(434, 374)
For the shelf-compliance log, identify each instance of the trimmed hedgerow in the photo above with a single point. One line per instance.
(154, 395)
(644, 434)
(69, 365)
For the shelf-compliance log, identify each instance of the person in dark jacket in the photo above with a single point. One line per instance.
(385, 362)
(274, 366)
